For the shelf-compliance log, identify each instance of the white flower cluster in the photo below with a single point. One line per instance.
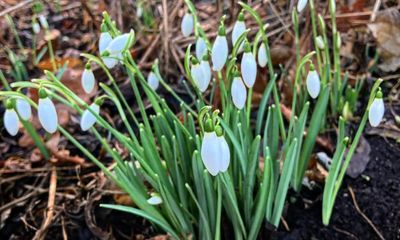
(201, 70)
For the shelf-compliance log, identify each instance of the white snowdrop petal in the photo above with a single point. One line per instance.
(201, 48)
(320, 42)
(248, 68)
(155, 200)
(301, 4)
(88, 80)
(376, 112)
(205, 66)
(198, 76)
(238, 29)
(47, 115)
(219, 53)
(24, 109)
(43, 21)
(152, 80)
(88, 119)
(225, 154)
(105, 39)
(118, 44)
(139, 11)
(239, 93)
(187, 24)
(110, 61)
(210, 152)
(313, 84)
(36, 27)
(11, 122)
(262, 55)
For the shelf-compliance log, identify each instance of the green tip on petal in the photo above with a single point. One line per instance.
(88, 66)
(42, 93)
(194, 60)
(312, 67)
(205, 57)
(241, 16)
(247, 47)
(379, 94)
(221, 30)
(9, 104)
(218, 131)
(99, 101)
(209, 125)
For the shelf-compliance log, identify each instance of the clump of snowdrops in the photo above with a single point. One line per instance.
(184, 174)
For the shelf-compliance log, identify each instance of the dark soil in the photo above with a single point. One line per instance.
(377, 193)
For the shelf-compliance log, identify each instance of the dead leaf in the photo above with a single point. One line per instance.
(360, 159)
(46, 64)
(386, 30)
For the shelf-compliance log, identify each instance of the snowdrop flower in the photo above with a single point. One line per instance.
(239, 93)
(35, 27)
(11, 121)
(105, 39)
(43, 22)
(238, 29)
(187, 24)
(215, 151)
(139, 11)
(320, 42)
(88, 79)
(201, 48)
(116, 47)
(155, 199)
(47, 112)
(219, 52)
(313, 82)
(23, 108)
(152, 80)
(198, 75)
(88, 119)
(248, 66)
(205, 66)
(301, 4)
(262, 55)
(376, 110)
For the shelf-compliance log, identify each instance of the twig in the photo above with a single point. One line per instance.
(363, 215)
(40, 234)
(345, 233)
(22, 4)
(285, 224)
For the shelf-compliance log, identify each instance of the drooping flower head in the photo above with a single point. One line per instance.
(215, 152)
(187, 25)
(301, 4)
(238, 91)
(155, 199)
(88, 119)
(114, 50)
(219, 52)
(23, 108)
(198, 74)
(376, 110)
(47, 112)
(153, 81)
(238, 29)
(262, 55)
(248, 66)
(205, 66)
(201, 48)
(11, 121)
(313, 82)
(88, 79)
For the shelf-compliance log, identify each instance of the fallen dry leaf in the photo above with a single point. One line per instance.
(386, 30)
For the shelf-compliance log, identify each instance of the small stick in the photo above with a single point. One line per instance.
(363, 215)
(40, 234)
